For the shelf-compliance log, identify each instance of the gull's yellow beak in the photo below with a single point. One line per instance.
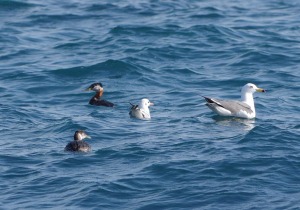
(260, 90)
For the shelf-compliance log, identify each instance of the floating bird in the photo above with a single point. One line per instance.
(96, 99)
(244, 108)
(141, 111)
(78, 145)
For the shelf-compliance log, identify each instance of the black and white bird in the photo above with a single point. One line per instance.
(244, 108)
(96, 99)
(141, 111)
(78, 145)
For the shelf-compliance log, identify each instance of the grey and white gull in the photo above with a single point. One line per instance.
(243, 109)
(142, 110)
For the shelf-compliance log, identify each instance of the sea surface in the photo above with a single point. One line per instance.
(171, 52)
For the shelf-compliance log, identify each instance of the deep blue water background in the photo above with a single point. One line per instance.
(171, 52)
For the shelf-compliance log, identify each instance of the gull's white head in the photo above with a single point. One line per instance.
(251, 88)
(145, 103)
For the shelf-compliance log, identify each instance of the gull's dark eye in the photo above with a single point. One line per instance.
(251, 86)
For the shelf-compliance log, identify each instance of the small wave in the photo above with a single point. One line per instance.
(140, 30)
(13, 5)
(71, 45)
(109, 68)
(255, 58)
(41, 18)
(101, 7)
(169, 169)
(207, 16)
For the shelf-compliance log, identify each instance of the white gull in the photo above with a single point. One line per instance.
(141, 111)
(244, 108)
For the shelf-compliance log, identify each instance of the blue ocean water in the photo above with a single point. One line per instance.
(171, 52)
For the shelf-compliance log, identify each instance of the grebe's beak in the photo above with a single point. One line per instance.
(88, 89)
(260, 90)
(88, 137)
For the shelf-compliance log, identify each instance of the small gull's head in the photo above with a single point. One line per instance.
(251, 88)
(145, 103)
(95, 87)
(80, 135)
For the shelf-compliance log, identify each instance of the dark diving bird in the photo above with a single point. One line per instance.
(78, 145)
(96, 99)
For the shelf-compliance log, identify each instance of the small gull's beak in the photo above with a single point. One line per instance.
(151, 104)
(260, 90)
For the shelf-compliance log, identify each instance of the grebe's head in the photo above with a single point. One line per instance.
(95, 87)
(145, 103)
(251, 88)
(80, 135)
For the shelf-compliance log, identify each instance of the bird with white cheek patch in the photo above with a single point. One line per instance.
(78, 145)
(96, 99)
